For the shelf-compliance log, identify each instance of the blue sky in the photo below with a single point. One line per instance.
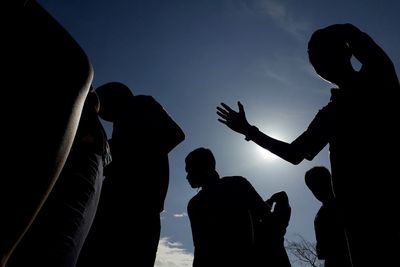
(192, 55)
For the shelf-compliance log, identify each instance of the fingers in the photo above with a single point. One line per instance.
(223, 115)
(222, 111)
(223, 121)
(226, 107)
(226, 114)
(241, 109)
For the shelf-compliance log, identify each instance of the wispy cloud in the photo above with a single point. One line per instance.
(274, 75)
(278, 12)
(282, 69)
(172, 254)
(180, 215)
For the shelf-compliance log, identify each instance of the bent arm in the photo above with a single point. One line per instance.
(362, 46)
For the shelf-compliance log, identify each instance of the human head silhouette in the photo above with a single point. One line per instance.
(330, 55)
(114, 97)
(318, 180)
(92, 101)
(200, 167)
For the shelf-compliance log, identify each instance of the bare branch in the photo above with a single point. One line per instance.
(303, 251)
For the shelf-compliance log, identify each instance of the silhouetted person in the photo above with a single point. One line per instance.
(271, 236)
(359, 124)
(45, 79)
(126, 229)
(57, 235)
(329, 230)
(224, 215)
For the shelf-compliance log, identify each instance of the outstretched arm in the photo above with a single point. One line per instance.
(237, 122)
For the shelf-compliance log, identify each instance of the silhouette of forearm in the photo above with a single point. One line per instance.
(282, 149)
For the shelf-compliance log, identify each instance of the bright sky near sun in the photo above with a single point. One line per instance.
(190, 55)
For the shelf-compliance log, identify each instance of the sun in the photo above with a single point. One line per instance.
(262, 154)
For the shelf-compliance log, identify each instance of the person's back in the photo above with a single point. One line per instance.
(140, 147)
(331, 240)
(231, 227)
(221, 223)
(221, 214)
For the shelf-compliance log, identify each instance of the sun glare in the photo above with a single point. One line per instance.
(264, 154)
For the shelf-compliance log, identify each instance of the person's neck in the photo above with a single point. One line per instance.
(211, 181)
(348, 81)
(329, 200)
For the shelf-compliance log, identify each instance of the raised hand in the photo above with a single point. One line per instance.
(234, 120)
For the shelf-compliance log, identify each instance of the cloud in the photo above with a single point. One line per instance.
(180, 215)
(275, 75)
(281, 15)
(171, 254)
